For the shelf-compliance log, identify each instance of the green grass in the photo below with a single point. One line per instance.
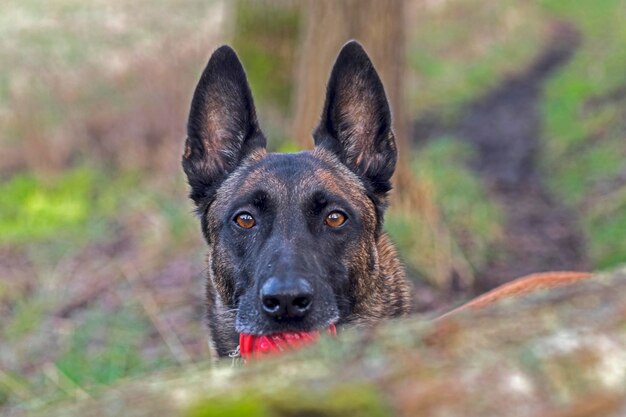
(585, 145)
(106, 347)
(607, 242)
(52, 221)
(71, 205)
(463, 199)
(596, 69)
(468, 223)
(463, 47)
(577, 175)
(354, 400)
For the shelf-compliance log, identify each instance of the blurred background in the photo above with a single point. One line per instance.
(510, 117)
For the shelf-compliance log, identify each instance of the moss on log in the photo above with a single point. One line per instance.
(560, 352)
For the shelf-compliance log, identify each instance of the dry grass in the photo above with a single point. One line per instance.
(101, 83)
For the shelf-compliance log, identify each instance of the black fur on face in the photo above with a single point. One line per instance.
(289, 197)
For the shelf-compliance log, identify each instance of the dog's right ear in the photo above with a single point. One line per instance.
(356, 120)
(222, 129)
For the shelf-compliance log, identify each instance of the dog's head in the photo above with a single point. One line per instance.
(292, 237)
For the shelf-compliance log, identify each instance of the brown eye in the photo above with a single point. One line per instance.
(245, 220)
(335, 219)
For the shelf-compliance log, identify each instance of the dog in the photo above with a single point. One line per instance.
(295, 240)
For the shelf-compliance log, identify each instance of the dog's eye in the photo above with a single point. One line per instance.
(245, 220)
(335, 219)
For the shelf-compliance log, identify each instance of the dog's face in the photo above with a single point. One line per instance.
(291, 236)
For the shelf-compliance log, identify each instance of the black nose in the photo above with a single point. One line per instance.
(286, 298)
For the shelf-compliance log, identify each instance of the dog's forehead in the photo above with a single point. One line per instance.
(305, 170)
(295, 174)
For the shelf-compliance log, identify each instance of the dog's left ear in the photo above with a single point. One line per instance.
(356, 120)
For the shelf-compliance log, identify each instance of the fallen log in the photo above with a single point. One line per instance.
(554, 352)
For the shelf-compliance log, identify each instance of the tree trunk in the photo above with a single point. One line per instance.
(379, 26)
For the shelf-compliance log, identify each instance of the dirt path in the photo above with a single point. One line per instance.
(505, 128)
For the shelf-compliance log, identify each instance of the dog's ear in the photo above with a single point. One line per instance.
(356, 120)
(222, 129)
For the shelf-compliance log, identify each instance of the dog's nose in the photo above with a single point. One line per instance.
(286, 298)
